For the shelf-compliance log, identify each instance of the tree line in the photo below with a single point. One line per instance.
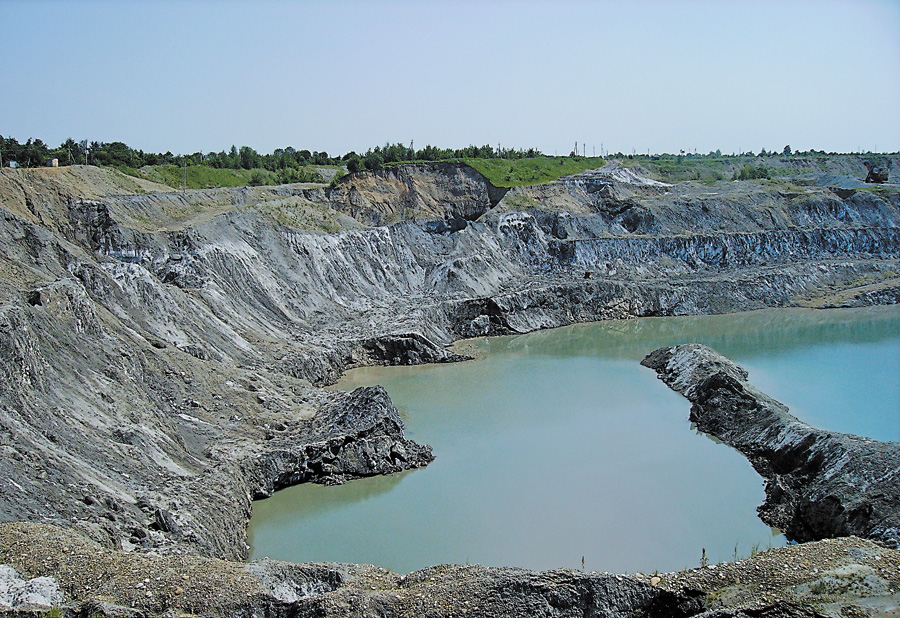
(288, 162)
(36, 153)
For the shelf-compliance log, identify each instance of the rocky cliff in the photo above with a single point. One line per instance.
(160, 351)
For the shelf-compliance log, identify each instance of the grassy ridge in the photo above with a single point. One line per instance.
(198, 176)
(500, 172)
(680, 170)
(519, 172)
(775, 167)
(707, 169)
(205, 177)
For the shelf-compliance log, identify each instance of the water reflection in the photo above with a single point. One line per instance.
(748, 334)
(318, 499)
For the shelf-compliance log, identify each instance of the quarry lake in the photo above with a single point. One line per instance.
(558, 446)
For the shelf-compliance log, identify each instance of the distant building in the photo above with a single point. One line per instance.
(53, 163)
(13, 164)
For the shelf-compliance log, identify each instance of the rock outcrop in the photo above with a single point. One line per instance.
(819, 484)
(18, 593)
(879, 171)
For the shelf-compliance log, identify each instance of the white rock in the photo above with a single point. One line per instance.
(18, 593)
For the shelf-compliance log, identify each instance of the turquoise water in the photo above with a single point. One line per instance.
(558, 446)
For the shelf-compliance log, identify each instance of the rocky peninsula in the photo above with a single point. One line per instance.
(819, 484)
(162, 353)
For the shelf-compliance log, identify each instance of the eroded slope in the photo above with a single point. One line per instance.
(160, 351)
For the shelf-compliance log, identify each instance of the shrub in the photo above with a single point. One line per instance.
(336, 178)
(749, 172)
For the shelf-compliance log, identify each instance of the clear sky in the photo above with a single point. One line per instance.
(340, 75)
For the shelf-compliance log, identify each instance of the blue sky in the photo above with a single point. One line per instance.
(341, 75)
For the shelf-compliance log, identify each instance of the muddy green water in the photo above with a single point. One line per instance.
(558, 445)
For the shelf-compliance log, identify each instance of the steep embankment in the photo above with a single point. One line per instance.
(159, 351)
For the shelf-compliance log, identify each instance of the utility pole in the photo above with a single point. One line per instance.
(412, 150)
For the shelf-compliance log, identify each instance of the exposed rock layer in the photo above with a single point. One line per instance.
(158, 350)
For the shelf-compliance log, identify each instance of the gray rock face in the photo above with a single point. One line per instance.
(818, 484)
(879, 171)
(494, 592)
(447, 194)
(359, 435)
(159, 351)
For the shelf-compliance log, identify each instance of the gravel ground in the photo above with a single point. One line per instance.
(836, 577)
(153, 584)
(831, 574)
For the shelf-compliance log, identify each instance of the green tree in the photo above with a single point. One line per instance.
(249, 158)
(374, 160)
(70, 152)
(117, 153)
(355, 164)
(748, 172)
